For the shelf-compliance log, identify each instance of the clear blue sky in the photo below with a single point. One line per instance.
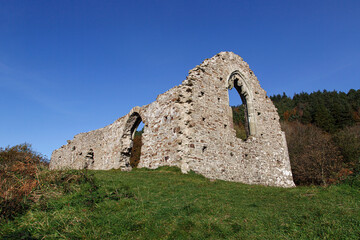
(73, 66)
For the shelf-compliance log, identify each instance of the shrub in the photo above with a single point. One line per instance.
(18, 177)
(314, 157)
(25, 180)
(348, 141)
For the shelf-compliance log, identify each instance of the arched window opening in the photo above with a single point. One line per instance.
(136, 148)
(238, 107)
(132, 142)
(243, 114)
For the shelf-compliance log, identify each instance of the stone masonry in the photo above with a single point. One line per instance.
(190, 126)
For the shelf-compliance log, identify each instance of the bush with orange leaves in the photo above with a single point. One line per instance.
(19, 168)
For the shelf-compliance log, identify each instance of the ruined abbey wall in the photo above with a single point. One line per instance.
(190, 126)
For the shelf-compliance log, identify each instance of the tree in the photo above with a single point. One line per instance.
(348, 141)
(314, 158)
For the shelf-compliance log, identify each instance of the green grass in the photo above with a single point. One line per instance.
(165, 204)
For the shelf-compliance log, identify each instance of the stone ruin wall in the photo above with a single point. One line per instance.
(191, 127)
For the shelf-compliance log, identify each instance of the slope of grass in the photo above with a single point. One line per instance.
(164, 204)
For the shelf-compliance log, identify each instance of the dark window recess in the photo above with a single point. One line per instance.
(239, 112)
(89, 158)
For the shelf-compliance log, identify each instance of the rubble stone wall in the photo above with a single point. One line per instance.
(191, 126)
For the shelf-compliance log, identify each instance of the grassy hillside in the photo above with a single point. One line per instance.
(165, 204)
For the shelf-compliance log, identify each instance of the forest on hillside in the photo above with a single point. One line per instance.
(330, 111)
(322, 131)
